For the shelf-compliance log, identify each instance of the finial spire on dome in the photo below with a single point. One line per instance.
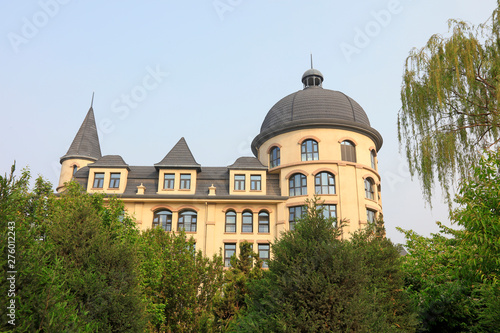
(312, 77)
(92, 101)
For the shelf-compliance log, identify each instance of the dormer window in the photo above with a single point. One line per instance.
(98, 180)
(114, 181)
(168, 181)
(185, 181)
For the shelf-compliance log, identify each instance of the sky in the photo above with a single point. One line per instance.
(209, 71)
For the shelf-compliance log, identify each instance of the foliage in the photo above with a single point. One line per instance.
(178, 283)
(244, 269)
(453, 276)
(318, 282)
(75, 260)
(450, 102)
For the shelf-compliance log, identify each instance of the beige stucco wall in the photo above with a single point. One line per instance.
(67, 170)
(349, 177)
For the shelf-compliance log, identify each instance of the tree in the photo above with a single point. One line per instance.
(318, 282)
(75, 260)
(450, 103)
(453, 276)
(178, 282)
(245, 268)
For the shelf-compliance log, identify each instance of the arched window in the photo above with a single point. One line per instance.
(247, 222)
(348, 151)
(187, 221)
(369, 189)
(230, 221)
(264, 222)
(371, 216)
(274, 157)
(163, 219)
(309, 150)
(324, 183)
(372, 159)
(298, 185)
(75, 169)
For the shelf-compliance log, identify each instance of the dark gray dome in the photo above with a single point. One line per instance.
(314, 103)
(315, 107)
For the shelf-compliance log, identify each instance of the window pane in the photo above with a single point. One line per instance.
(298, 185)
(114, 181)
(369, 192)
(163, 219)
(239, 182)
(263, 222)
(247, 223)
(255, 182)
(309, 150)
(169, 181)
(231, 221)
(187, 221)
(274, 157)
(264, 254)
(229, 251)
(185, 182)
(295, 213)
(98, 180)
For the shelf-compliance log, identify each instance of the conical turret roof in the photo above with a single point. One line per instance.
(86, 142)
(179, 157)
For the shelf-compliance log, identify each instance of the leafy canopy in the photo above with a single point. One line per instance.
(450, 102)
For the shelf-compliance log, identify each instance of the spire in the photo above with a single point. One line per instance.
(311, 63)
(86, 142)
(179, 157)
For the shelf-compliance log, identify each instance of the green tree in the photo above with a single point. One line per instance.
(75, 260)
(453, 276)
(450, 102)
(179, 283)
(245, 268)
(318, 282)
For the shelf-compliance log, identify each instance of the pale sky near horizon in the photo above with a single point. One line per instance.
(208, 71)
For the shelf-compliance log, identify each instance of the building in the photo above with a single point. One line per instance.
(313, 141)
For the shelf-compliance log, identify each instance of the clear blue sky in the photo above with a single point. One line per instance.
(218, 67)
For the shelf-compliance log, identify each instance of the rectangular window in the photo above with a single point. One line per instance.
(255, 182)
(264, 254)
(239, 182)
(114, 181)
(295, 213)
(371, 215)
(168, 181)
(185, 181)
(229, 251)
(98, 180)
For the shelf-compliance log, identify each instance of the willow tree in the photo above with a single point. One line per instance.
(450, 102)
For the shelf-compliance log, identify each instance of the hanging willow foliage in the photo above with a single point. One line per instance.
(450, 103)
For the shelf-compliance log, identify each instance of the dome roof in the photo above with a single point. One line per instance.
(315, 107)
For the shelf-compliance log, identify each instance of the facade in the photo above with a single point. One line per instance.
(313, 141)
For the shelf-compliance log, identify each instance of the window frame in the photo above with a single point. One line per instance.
(181, 224)
(371, 215)
(114, 182)
(185, 181)
(227, 258)
(171, 181)
(239, 182)
(330, 178)
(275, 157)
(372, 159)
(293, 187)
(293, 221)
(98, 180)
(255, 184)
(309, 153)
(229, 224)
(369, 188)
(263, 222)
(247, 221)
(348, 151)
(156, 224)
(264, 248)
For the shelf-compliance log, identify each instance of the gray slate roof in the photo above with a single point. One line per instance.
(179, 156)
(216, 176)
(314, 103)
(110, 161)
(86, 142)
(250, 163)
